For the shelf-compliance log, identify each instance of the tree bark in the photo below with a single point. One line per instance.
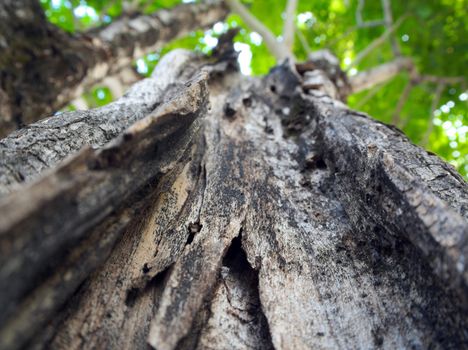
(229, 212)
(43, 68)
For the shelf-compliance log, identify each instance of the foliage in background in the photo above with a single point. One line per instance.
(435, 35)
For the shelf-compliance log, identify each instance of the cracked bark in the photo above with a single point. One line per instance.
(269, 216)
(43, 68)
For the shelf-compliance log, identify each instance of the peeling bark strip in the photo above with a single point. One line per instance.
(286, 221)
(43, 68)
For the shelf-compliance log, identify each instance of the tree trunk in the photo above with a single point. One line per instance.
(43, 68)
(224, 211)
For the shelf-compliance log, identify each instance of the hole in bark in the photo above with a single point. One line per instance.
(235, 252)
(247, 101)
(127, 136)
(190, 238)
(20, 176)
(193, 229)
(145, 268)
(269, 130)
(155, 282)
(314, 161)
(229, 111)
(306, 183)
(132, 295)
(321, 164)
(273, 89)
(378, 339)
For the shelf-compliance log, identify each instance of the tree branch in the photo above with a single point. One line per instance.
(277, 49)
(401, 102)
(379, 74)
(388, 18)
(376, 43)
(289, 25)
(359, 9)
(303, 41)
(441, 80)
(370, 24)
(360, 23)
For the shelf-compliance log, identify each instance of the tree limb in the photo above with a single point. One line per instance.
(441, 80)
(289, 25)
(277, 49)
(360, 23)
(359, 9)
(303, 41)
(396, 119)
(379, 74)
(388, 18)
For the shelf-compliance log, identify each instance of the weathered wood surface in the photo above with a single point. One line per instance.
(289, 222)
(42, 68)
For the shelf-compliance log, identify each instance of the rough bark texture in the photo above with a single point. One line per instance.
(43, 68)
(239, 213)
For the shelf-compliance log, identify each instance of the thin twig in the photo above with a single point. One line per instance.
(387, 10)
(360, 23)
(396, 119)
(370, 24)
(303, 41)
(277, 49)
(359, 9)
(441, 80)
(289, 25)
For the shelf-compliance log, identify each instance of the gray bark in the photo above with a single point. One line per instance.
(43, 68)
(268, 216)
